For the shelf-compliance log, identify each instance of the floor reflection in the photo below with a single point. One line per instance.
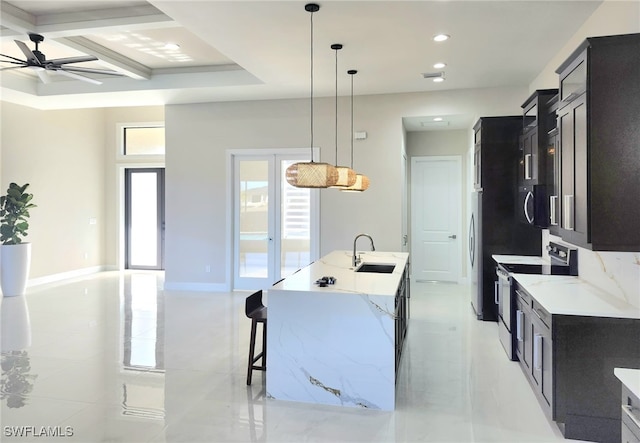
(16, 382)
(15, 337)
(143, 379)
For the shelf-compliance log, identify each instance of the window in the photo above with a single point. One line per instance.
(143, 140)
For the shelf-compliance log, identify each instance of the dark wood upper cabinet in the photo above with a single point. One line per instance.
(533, 185)
(599, 132)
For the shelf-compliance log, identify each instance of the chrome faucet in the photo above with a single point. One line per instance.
(356, 258)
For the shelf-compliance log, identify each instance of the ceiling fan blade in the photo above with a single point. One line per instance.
(44, 75)
(78, 76)
(64, 61)
(12, 58)
(31, 57)
(13, 67)
(90, 70)
(14, 63)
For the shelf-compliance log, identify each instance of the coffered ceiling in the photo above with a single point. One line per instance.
(252, 50)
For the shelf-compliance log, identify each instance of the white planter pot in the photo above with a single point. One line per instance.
(14, 268)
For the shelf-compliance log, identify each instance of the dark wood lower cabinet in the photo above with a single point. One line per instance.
(569, 362)
(402, 315)
(587, 394)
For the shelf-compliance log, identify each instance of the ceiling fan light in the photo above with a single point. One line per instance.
(361, 184)
(312, 175)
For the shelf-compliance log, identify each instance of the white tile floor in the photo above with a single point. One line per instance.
(113, 358)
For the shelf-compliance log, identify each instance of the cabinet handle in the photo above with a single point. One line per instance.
(537, 352)
(527, 167)
(553, 200)
(568, 211)
(495, 290)
(519, 321)
(526, 207)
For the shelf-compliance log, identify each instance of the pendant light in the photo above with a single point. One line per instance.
(346, 175)
(311, 174)
(362, 181)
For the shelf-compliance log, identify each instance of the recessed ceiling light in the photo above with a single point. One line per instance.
(437, 119)
(172, 46)
(439, 65)
(438, 79)
(441, 37)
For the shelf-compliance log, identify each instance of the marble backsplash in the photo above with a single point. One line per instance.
(617, 273)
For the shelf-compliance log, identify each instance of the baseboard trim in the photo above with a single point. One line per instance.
(53, 278)
(201, 287)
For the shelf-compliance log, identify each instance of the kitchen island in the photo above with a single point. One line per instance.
(339, 344)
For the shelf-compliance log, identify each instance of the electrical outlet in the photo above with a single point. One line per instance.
(207, 268)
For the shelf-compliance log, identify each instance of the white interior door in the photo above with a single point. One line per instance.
(275, 224)
(436, 203)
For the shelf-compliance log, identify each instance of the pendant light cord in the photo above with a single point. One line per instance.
(336, 50)
(352, 73)
(311, 87)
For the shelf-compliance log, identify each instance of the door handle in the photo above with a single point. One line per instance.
(537, 352)
(519, 321)
(568, 212)
(527, 167)
(552, 209)
(453, 236)
(526, 207)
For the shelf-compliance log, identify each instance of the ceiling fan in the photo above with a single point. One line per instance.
(37, 61)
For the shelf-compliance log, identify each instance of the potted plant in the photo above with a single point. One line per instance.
(15, 255)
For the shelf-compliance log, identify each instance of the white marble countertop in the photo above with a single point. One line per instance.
(630, 378)
(338, 264)
(520, 259)
(566, 295)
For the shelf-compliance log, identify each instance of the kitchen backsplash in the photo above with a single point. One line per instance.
(617, 273)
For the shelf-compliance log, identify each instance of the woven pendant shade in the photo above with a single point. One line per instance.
(361, 184)
(312, 175)
(346, 177)
(362, 181)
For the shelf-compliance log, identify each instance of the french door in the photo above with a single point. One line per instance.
(275, 224)
(144, 218)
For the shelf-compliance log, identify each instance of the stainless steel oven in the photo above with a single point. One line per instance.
(563, 260)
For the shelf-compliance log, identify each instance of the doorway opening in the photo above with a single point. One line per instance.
(144, 218)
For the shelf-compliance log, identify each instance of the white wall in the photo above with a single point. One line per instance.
(61, 155)
(198, 136)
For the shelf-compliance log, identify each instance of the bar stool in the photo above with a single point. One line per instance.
(257, 312)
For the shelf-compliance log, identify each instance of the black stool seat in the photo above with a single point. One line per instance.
(257, 312)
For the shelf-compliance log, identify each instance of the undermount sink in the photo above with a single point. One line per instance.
(376, 267)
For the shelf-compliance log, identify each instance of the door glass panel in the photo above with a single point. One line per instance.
(144, 219)
(254, 218)
(295, 229)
